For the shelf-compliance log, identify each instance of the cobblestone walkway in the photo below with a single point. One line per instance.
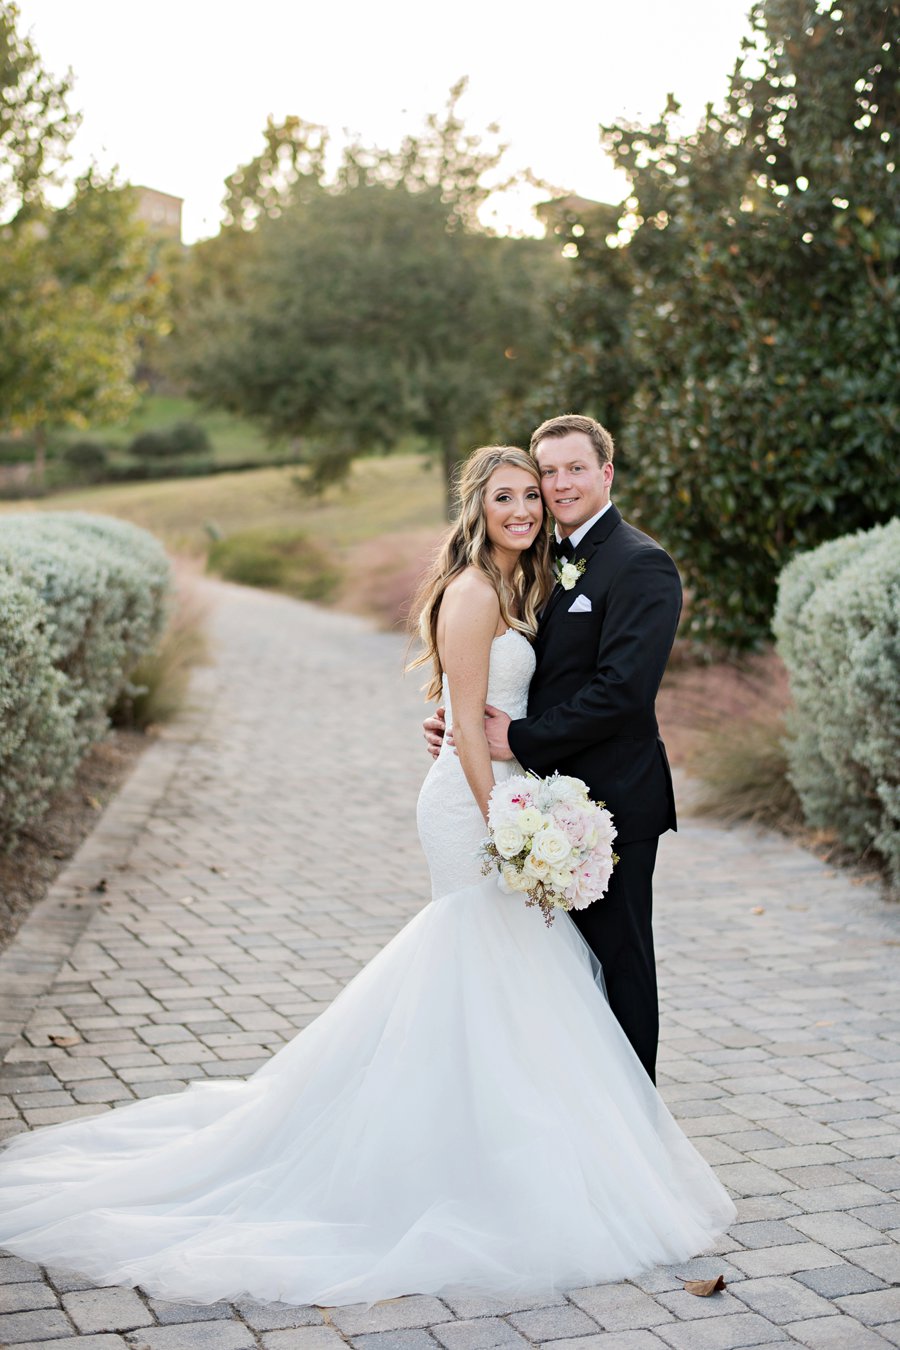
(186, 939)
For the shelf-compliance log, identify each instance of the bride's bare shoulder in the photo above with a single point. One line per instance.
(473, 587)
(470, 608)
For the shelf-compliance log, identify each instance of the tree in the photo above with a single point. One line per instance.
(364, 318)
(591, 367)
(445, 158)
(36, 123)
(291, 163)
(762, 323)
(76, 296)
(350, 313)
(77, 289)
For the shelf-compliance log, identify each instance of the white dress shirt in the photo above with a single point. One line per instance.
(577, 535)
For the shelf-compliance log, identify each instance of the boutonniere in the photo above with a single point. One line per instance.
(567, 573)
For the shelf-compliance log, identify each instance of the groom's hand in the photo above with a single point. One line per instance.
(433, 729)
(496, 729)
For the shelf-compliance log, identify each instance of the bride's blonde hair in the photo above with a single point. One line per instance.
(467, 545)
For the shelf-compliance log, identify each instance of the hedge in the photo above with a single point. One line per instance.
(837, 625)
(82, 599)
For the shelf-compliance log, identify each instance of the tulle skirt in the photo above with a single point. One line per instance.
(466, 1115)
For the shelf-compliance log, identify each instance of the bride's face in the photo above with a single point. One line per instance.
(513, 509)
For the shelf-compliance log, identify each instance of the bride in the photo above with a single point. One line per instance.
(466, 1115)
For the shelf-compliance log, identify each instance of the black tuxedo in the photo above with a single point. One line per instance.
(591, 713)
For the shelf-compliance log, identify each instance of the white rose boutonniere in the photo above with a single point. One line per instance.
(568, 573)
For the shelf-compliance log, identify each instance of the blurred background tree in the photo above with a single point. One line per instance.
(76, 286)
(753, 287)
(356, 313)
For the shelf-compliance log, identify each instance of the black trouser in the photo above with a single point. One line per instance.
(618, 928)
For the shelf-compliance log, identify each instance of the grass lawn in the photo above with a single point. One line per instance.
(398, 493)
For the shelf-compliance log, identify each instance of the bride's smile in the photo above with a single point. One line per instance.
(513, 511)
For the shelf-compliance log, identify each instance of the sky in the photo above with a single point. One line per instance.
(175, 93)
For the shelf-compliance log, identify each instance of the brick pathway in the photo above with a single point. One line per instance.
(209, 945)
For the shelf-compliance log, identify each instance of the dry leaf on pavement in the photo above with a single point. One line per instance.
(703, 1288)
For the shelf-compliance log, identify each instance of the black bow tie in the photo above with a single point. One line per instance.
(564, 550)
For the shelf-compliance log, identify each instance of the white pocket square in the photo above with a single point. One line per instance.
(580, 605)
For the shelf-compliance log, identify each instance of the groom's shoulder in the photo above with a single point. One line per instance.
(636, 541)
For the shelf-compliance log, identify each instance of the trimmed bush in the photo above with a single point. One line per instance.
(38, 747)
(181, 438)
(85, 598)
(277, 560)
(837, 624)
(149, 445)
(86, 457)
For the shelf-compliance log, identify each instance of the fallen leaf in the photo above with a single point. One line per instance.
(65, 1040)
(703, 1288)
(758, 909)
(100, 887)
(92, 802)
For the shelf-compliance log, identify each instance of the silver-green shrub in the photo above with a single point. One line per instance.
(38, 748)
(837, 625)
(84, 598)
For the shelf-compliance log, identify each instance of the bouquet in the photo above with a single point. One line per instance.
(550, 842)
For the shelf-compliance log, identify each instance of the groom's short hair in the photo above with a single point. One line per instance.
(556, 427)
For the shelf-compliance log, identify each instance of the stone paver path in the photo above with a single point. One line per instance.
(265, 848)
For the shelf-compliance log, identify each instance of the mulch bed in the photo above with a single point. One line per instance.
(28, 872)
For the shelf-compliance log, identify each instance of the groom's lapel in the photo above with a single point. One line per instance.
(596, 536)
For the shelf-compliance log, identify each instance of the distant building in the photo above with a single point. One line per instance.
(160, 212)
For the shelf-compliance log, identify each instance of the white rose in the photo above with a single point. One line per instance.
(520, 882)
(561, 878)
(509, 840)
(538, 868)
(568, 575)
(507, 878)
(551, 845)
(530, 819)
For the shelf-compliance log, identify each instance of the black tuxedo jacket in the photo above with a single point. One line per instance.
(591, 706)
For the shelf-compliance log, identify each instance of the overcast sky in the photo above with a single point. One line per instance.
(176, 92)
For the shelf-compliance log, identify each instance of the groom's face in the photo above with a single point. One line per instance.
(574, 483)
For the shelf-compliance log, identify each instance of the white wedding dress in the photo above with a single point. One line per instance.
(466, 1115)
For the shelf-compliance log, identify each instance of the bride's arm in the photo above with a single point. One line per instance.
(468, 623)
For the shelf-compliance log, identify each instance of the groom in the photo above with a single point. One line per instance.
(602, 645)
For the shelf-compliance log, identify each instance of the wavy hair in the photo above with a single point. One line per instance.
(467, 545)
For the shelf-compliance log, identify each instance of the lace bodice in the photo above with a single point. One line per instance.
(451, 826)
(511, 669)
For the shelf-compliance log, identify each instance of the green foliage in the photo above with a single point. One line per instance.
(593, 369)
(363, 319)
(278, 560)
(838, 628)
(36, 124)
(753, 281)
(181, 438)
(351, 314)
(75, 296)
(323, 466)
(87, 458)
(16, 449)
(291, 163)
(77, 288)
(84, 597)
(38, 747)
